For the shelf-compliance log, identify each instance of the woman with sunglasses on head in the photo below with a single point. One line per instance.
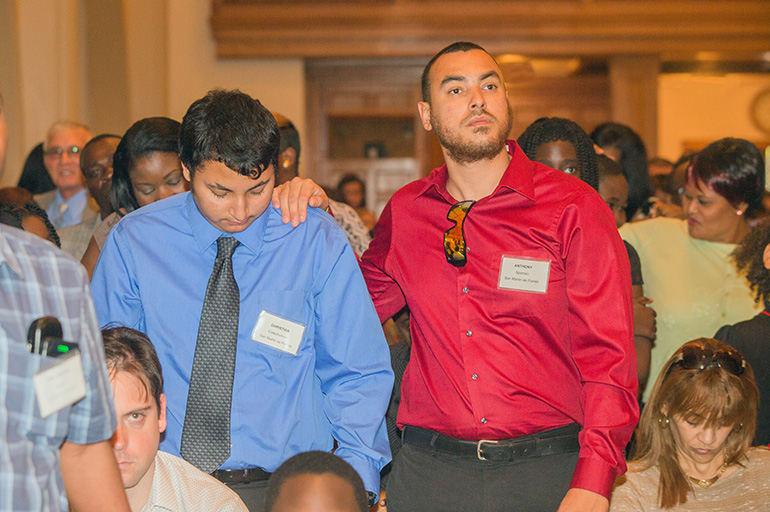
(694, 438)
(687, 265)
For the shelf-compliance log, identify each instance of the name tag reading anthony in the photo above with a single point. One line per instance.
(278, 333)
(524, 275)
(60, 385)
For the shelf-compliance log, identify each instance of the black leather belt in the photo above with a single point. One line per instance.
(240, 476)
(550, 442)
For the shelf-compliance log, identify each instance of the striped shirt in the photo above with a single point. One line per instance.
(36, 280)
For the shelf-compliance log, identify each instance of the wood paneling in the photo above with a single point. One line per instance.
(358, 93)
(312, 28)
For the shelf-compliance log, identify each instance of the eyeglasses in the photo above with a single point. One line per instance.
(57, 152)
(698, 357)
(454, 238)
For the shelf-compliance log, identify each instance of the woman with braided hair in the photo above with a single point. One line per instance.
(29, 217)
(562, 145)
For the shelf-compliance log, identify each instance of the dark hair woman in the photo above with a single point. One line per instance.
(145, 168)
(687, 265)
(624, 145)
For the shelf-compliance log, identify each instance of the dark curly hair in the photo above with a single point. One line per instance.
(555, 129)
(749, 258)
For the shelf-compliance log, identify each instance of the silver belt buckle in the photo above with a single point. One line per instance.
(478, 447)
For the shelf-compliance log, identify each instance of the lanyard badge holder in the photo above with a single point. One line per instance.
(62, 384)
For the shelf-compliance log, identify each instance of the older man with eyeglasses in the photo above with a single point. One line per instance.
(69, 203)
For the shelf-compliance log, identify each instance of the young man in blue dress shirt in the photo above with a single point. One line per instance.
(311, 363)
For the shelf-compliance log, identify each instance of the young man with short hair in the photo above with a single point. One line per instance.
(276, 351)
(154, 481)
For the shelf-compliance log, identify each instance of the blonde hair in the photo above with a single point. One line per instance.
(714, 394)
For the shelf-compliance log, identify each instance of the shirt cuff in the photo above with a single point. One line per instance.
(594, 475)
(368, 473)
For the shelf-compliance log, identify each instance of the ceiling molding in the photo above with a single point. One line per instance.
(418, 28)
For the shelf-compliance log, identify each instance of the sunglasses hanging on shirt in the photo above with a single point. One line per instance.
(454, 238)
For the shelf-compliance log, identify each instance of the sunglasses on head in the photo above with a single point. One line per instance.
(454, 238)
(698, 357)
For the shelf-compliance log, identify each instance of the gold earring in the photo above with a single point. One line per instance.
(285, 164)
(663, 420)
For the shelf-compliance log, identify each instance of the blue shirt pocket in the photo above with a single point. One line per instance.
(288, 305)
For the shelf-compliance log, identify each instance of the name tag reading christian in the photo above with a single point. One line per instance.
(524, 275)
(278, 333)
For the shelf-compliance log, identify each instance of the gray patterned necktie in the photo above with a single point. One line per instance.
(206, 431)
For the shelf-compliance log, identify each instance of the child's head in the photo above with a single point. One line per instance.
(613, 187)
(753, 257)
(315, 481)
(562, 145)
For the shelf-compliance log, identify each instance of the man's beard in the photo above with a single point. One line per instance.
(467, 152)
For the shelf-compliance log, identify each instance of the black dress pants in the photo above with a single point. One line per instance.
(424, 480)
(252, 494)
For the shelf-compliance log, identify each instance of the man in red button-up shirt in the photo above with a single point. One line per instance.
(521, 316)
(531, 333)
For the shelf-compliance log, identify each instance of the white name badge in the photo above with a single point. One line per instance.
(524, 275)
(277, 332)
(60, 385)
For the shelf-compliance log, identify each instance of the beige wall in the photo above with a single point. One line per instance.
(703, 108)
(193, 68)
(40, 72)
(51, 67)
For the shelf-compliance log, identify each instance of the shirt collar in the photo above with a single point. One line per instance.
(518, 176)
(78, 199)
(161, 492)
(206, 234)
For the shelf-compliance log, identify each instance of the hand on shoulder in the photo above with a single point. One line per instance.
(294, 197)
